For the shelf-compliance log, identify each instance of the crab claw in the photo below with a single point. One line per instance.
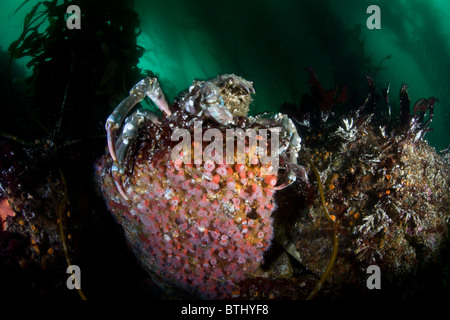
(213, 105)
(247, 86)
(294, 171)
(117, 177)
(220, 114)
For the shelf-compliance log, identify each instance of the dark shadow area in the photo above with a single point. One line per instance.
(52, 133)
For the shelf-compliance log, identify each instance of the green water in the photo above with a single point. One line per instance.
(270, 42)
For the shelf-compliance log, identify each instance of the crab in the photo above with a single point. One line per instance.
(200, 227)
(222, 99)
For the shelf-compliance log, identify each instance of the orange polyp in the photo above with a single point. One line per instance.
(209, 165)
(178, 163)
(271, 180)
(175, 200)
(222, 171)
(215, 179)
(239, 168)
(254, 160)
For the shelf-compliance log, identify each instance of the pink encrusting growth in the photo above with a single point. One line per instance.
(5, 211)
(187, 224)
(202, 227)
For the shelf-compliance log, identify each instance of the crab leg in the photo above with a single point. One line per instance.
(292, 150)
(116, 173)
(294, 171)
(294, 141)
(130, 130)
(291, 145)
(146, 87)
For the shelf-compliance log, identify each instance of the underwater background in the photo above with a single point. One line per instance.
(267, 42)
